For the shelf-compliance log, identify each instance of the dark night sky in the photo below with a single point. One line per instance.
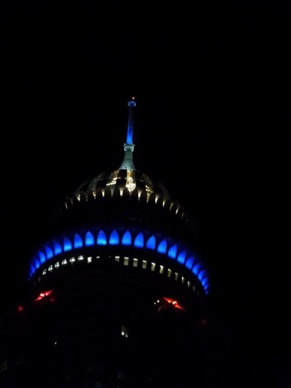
(212, 85)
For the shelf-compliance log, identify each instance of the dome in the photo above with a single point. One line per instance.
(125, 180)
(127, 195)
(122, 209)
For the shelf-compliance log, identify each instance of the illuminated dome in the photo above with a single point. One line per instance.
(127, 195)
(128, 182)
(124, 208)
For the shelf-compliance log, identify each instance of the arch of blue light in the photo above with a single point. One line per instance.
(162, 245)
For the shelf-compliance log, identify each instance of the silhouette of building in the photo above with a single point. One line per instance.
(117, 293)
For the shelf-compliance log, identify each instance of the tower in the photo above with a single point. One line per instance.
(118, 293)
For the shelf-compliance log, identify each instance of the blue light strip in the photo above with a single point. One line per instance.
(129, 136)
(162, 245)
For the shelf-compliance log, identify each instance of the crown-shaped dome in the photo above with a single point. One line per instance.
(124, 208)
(126, 194)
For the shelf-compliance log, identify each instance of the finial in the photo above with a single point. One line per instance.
(131, 104)
(128, 147)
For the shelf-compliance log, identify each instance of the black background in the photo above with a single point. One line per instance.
(212, 122)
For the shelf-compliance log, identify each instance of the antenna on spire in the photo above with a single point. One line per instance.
(128, 147)
(131, 104)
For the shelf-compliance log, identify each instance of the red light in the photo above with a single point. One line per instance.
(174, 303)
(169, 304)
(43, 295)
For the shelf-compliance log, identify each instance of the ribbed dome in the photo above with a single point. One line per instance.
(124, 180)
(126, 196)
(122, 208)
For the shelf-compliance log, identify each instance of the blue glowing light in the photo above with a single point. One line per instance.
(151, 243)
(181, 257)
(49, 252)
(89, 239)
(173, 251)
(126, 239)
(204, 282)
(42, 257)
(176, 252)
(101, 238)
(139, 241)
(114, 238)
(162, 247)
(78, 242)
(67, 244)
(190, 262)
(36, 263)
(201, 275)
(195, 269)
(129, 137)
(32, 269)
(57, 248)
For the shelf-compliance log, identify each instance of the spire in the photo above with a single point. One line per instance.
(127, 163)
